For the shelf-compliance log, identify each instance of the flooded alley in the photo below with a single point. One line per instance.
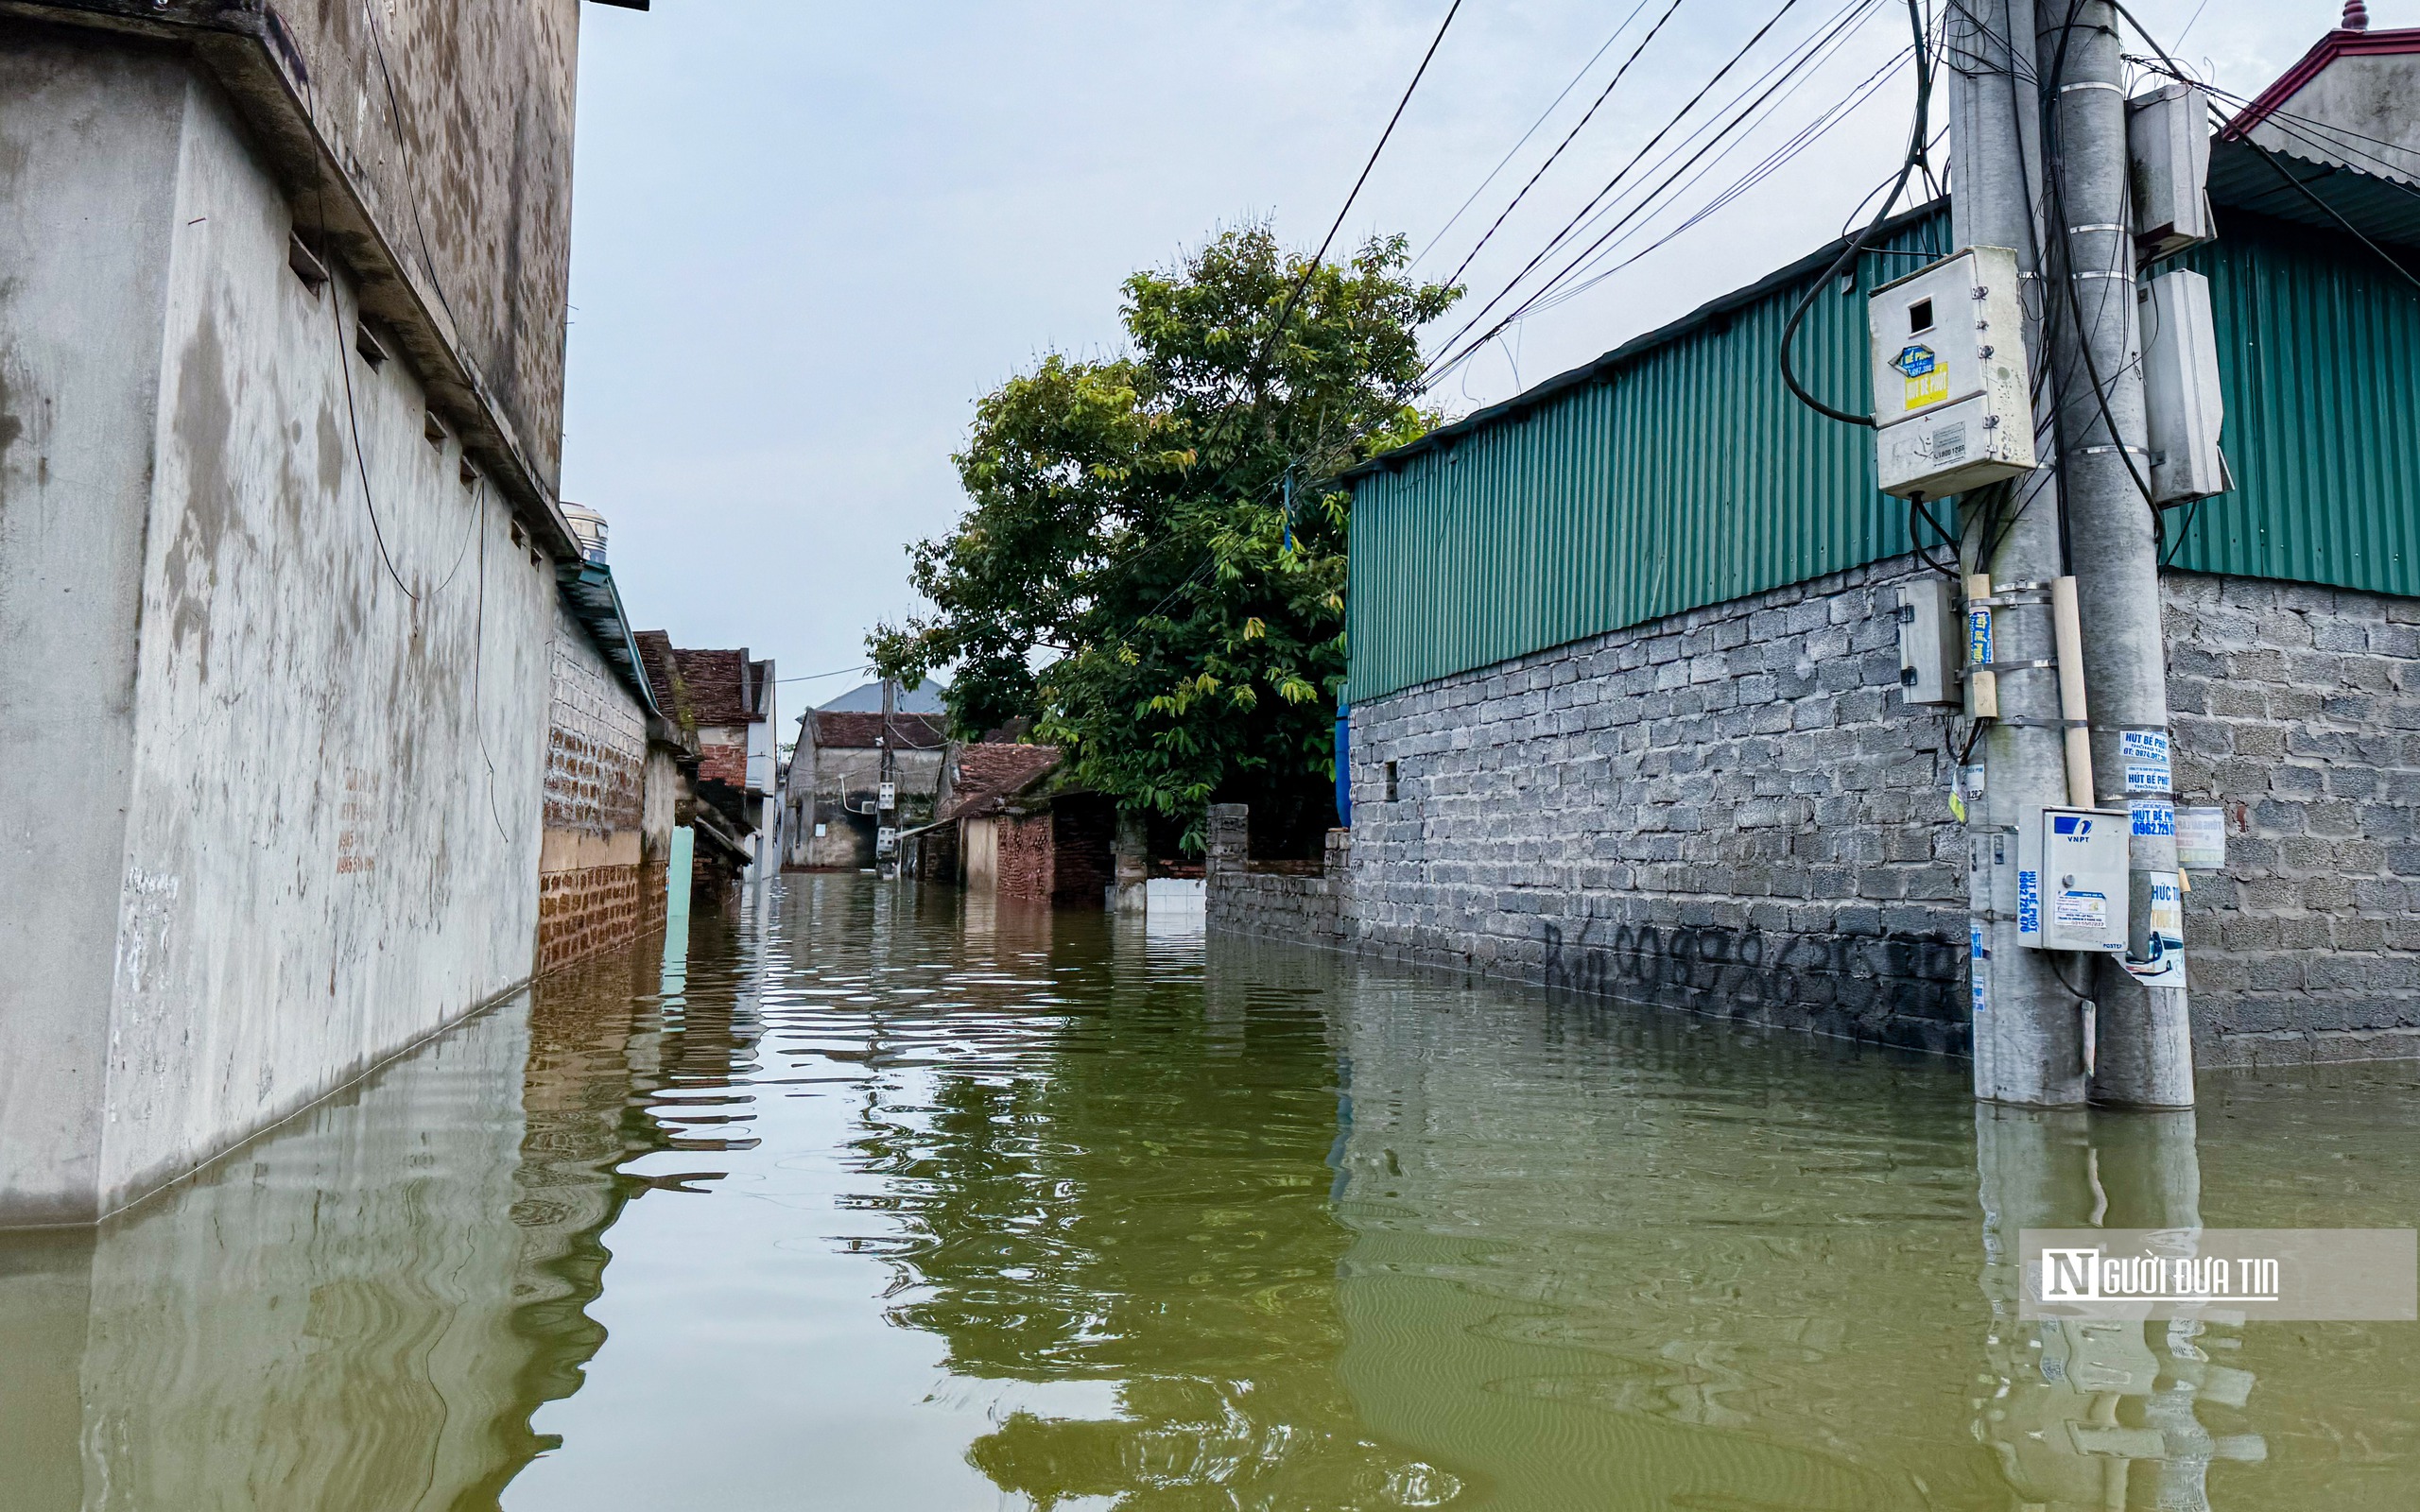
(889, 1198)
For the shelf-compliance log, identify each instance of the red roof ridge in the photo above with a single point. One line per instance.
(2341, 42)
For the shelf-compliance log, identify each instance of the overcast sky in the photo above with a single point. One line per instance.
(808, 237)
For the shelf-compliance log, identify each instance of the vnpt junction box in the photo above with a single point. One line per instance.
(1953, 404)
(2071, 880)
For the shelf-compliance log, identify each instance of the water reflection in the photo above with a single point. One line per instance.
(2086, 1413)
(861, 1196)
(365, 1309)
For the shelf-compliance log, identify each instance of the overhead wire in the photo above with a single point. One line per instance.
(1569, 227)
(1514, 150)
(1285, 310)
(1772, 163)
(1603, 96)
(1720, 134)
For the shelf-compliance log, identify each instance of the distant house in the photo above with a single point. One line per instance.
(832, 794)
(722, 702)
(1008, 824)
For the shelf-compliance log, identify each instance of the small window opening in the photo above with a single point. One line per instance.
(469, 474)
(1394, 785)
(432, 430)
(537, 559)
(365, 341)
(1920, 317)
(518, 539)
(306, 265)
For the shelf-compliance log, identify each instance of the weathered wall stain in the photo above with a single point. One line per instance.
(205, 416)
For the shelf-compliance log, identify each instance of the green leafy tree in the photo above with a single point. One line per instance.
(1152, 567)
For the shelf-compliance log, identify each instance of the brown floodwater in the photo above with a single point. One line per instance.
(876, 1198)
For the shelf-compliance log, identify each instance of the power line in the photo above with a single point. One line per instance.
(1514, 150)
(1793, 72)
(1726, 121)
(1589, 209)
(1620, 73)
(1286, 312)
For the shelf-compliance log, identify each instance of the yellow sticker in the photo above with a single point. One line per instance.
(1928, 388)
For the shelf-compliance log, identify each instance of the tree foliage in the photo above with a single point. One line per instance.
(1151, 567)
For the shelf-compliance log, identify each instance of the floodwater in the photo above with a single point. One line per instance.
(881, 1200)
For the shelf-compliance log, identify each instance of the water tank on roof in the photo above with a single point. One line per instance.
(588, 527)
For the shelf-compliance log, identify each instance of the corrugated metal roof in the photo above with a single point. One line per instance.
(2382, 209)
(589, 593)
(1675, 472)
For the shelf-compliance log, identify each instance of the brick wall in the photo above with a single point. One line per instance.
(1730, 811)
(1025, 856)
(595, 742)
(597, 909)
(720, 759)
(1083, 845)
(2297, 711)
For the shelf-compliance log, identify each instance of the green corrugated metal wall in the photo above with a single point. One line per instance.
(2319, 347)
(1689, 476)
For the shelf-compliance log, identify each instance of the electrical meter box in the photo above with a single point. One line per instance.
(1929, 643)
(2182, 406)
(2071, 880)
(886, 797)
(1953, 404)
(2168, 169)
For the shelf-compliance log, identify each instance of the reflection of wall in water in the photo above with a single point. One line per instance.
(1607, 1259)
(360, 1311)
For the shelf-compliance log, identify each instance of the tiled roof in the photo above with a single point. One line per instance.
(714, 686)
(857, 731)
(990, 773)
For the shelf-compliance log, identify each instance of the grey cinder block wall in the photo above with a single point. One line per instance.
(1724, 811)
(1730, 811)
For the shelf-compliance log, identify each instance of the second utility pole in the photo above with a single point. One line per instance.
(2145, 1053)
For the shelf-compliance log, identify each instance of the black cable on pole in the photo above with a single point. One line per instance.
(1857, 244)
(2053, 134)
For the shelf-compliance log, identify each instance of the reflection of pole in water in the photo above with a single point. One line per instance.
(2081, 1405)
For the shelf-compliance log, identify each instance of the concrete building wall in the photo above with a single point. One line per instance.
(452, 123)
(89, 151)
(841, 781)
(2365, 101)
(2296, 710)
(1727, 810)
(1730, 811)
(275, 741)
(1312, 906)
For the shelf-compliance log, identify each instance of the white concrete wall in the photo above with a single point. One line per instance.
(2371, 99)
(282, 810)
(88, 177)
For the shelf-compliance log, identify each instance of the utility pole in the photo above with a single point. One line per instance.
(2145, 1045)
(2028, 1027)
(886, 810)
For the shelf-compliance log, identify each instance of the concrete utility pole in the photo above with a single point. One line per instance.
(2028, 1028)
(2145, 1057)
